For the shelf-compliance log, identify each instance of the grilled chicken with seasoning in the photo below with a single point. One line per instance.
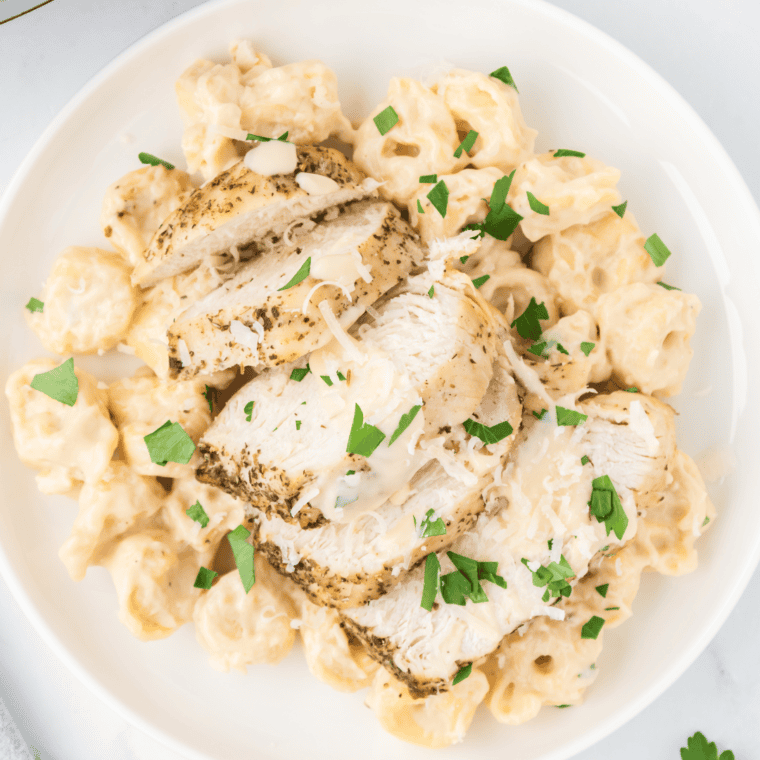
(259, 318)
(290, 453)
(257, 199)
(544, 498)
(346, 564)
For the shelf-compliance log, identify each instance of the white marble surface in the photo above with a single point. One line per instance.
(705, 48)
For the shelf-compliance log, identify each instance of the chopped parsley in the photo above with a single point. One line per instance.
(298, 424)
(562, 706)
(363, 438)
(465, 580)
(478, 281)
(428, 179)
(463, 259)
(539, 415)
(282, 138)
(606, 507)
(667, 287)
(550, 543)
(431, 292)
(611, 609)
(569, 417)
(705, 521)
(527, 323)
(205, 578)
(385, 120)
(327, 380)
(341, 377)
(430, 527)
(562, 152)
(420, 210)
(242, 551)
(501, 220)
(169, 443)
(405, 421)
(299, 373)
(149, 158)
(585, 460)
(208, 394)
(248, 410)
(430, 584)
(554, 576)
(35, 305)
(461, 674)
(602, 590)
(587, 348)
(198, 513)
(439, 197)
(503, 75)
(351, 472)
(698, 748)
(562, 349)
(538, 348)
(488, 435)
(536, 205)
(657, 250)
(467, 143)
(632, 389)
(299, 276)
(60, 383)
(620, 210)
(592, 628)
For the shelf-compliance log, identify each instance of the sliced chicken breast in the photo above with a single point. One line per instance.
(251, 320)
(241, 207)
(544, 497)
(347, 564)
(283, 444)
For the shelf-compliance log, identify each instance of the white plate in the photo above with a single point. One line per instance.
(581, 90)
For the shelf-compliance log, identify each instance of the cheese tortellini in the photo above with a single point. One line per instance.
(135, 205)
(69, 445)
(88, 302)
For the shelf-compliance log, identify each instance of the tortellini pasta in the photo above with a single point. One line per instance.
(142, 403)
(576, 190)
(647, 330)
(238, 629)
(109, 507)
(586, 261)
(135, 206)
(69, 445)
(88, 302)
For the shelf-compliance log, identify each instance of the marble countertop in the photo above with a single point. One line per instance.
(706, 49)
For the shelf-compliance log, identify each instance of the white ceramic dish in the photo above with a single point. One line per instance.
(580, 90)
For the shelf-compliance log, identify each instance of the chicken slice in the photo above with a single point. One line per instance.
(251, 320)
(346, 564)
(545, 494)
(242, 206)
(281, 445)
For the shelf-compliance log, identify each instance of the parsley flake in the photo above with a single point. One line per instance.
(698, 748)
(587, 348)
(467, 143)
(527, 323)
(420, 210)
(428, 179)
(205, 578)
(606, 507)
(260, 138)
(550, 543)
(169, 443)
(602, 590)
(242, 551)
(60, 383)
(208, 394)
(632, 389)
(562, 152)
(430, 527)
(592, 628)
(657, 250)
(461, 674)
(562, 349)
(465, 580)
(569, 417)
(299, 276)
(439, 197)
(611, 609)
(363, 438)
(35, 305)
(149, 158)
(705, 521)
(478, 281)
(503, 75)
(431, 292)
(668, 287)
(620, 210)
(488, 435)
(463, 259)
(540, 415)
(562, 706)
(248, 410)
(536, 205)
(198, 513)
(430, 584)
(299, 373)
(554, 576)
(341, 377)
(298, 424)
(385, 120)
(501, 220)
(405, 421)
(585, 460)
(538, 348)
(327, 380)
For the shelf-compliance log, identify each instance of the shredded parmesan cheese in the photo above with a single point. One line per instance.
(353, 352)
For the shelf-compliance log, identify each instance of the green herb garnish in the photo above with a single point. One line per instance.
(657, 250)
(282, 138)
(148, 158)
(632, 389)
(35, 305)
(428, 179)
(363, 438)
(538, 348)
(463, 259)
(562, 706)
(242, 551)
(488, 435)
(602, 590)
(420, 210)
(208, 394)
(198, 513)
(298, 424)
(430, 585)
(465, 580)
(668, 287)
(478, 281)
(430, 527)
(585, 460)
(705, 521)
(554, 576)
(467, 143)
(299, 276)
(562, 349)
(431, 292)
(169, 443)
(611, 609)
(606, 507)
(527, 323)
(204, 578)
(698, 748)
(539, 415)
(587, 348)
(248, 411)
(536, 205)
(461, 674)
(327, 380)
(299, 373)
(386, 119)
(562, 152)
(439, 197)
(341, 377)
(620, 210)
(405, 421)
(60, 383)
(569, 417)
(503, 75)
(501, 220)
(592, 628)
